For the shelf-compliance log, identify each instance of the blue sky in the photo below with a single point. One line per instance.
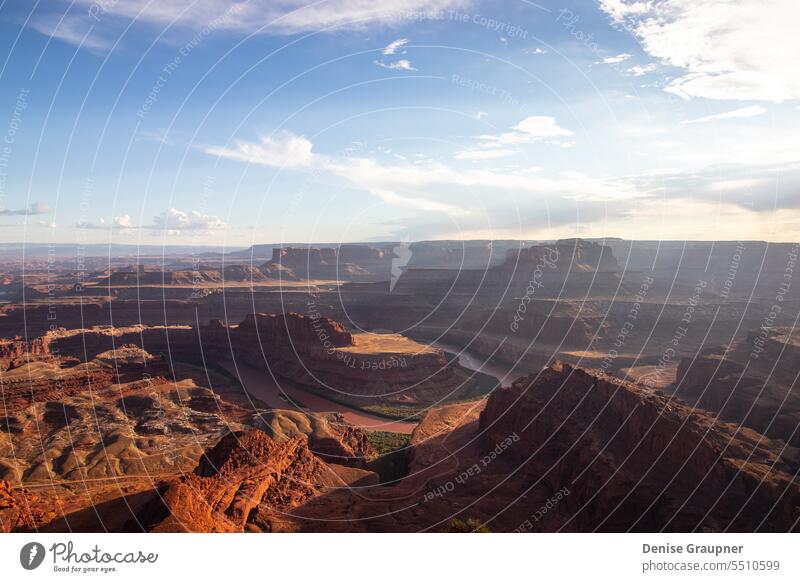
(237, 123)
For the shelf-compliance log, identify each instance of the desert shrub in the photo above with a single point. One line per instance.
(390, 461)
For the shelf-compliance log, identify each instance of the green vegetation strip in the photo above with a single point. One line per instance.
(390, 461)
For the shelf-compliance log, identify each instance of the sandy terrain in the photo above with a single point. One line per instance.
(385, 343)
(259, 383)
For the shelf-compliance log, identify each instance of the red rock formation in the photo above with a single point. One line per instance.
(177, 277)
(25, 387)
(347, 263)
(761, 395)
(634, 460)
(774, 352)
(15, 509)
(244, 273)
(17, 349)
(295, 327)
(244, 477)
(329, 436)
(304, 258)
(278, 272)
(565, 255)
(312, 350)
(315, 351)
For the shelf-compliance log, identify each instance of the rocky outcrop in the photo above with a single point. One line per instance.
(238, 483)
(564, 256)
(329, 436)
(732, 269)
(12, 350)
(137, 422)
(461, 254)
(320, 353)
(243, 273)
(303, 330)
(45, 380)
(775, 352)
(636, 461)
(144, 276)
(16, 512)
(344, 263)
(278, 272)
(753, 384)
(310, 349)
(568, 268)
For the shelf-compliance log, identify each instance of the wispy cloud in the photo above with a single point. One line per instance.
(751, 111)
(246, 16)
(435, 186)
(33, 209)
(394, 46)
(73, 29)
(172, 222)
(616, 59)
(401, 65)
(285, 150)
(119, 223)
(483, 154)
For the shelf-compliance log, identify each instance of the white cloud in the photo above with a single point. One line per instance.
(751, 111)
(691, 219)
(401, 65)
(616, 59)
(738, 184)
(434, 186)
(484, 154)
(286, 150)
(530, 129)
(47, 224)
(176, 222)
(541, 126)
(641, 70)
(123, 222)
(73, 30)
(393, 46)
(423, 180)
(33, 209)
(728, 49)
(418, 203)
(252, 16)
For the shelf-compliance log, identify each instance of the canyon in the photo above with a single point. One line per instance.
(563, 385)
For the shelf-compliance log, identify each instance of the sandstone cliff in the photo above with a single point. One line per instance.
(238, 484)
(636, 461)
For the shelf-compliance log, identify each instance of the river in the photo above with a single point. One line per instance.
(477, 363)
